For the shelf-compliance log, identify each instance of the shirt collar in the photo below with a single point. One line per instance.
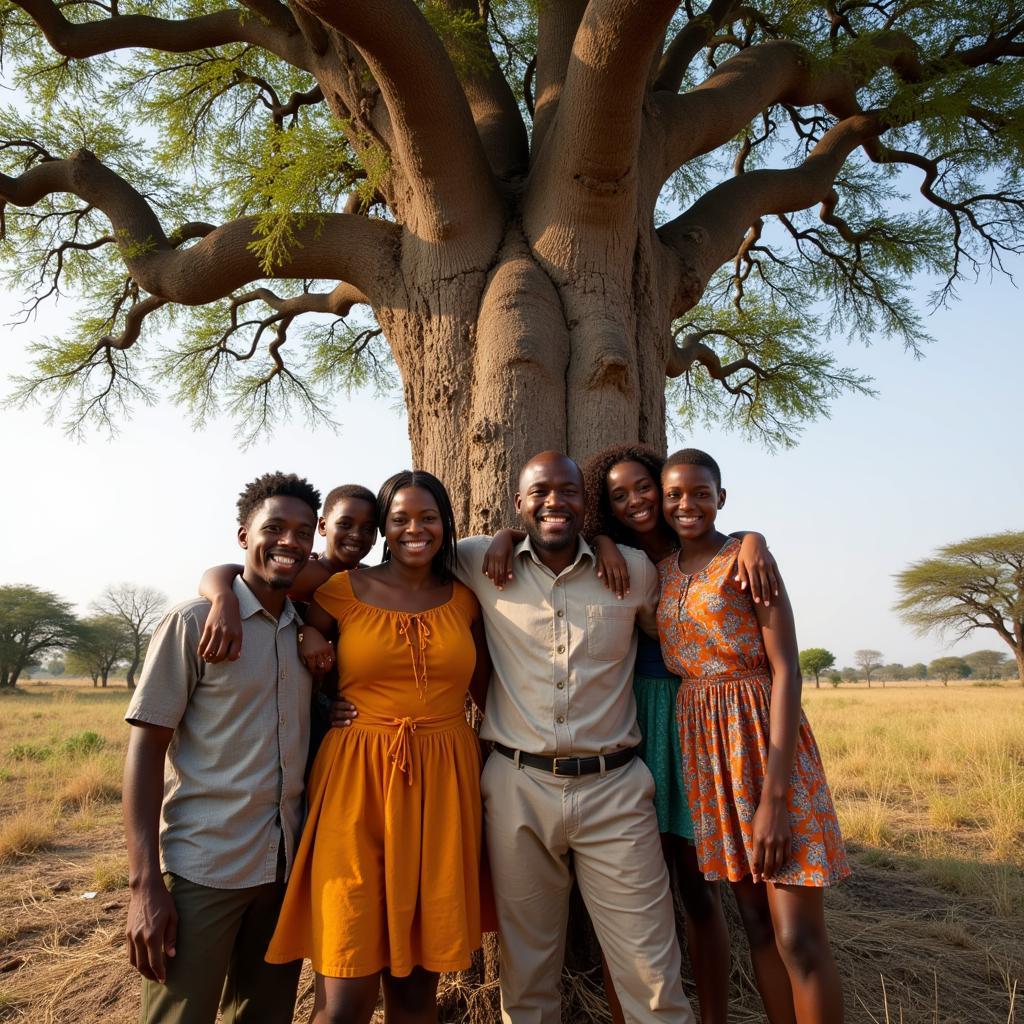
(583, 550)
(249, 604)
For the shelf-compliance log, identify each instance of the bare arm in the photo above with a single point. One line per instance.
(482, 671)
(221, 639)
(771, 828)
(498, 557)
(756, 567)
(152, 918)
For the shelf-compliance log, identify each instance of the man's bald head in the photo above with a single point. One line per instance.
(546, 462)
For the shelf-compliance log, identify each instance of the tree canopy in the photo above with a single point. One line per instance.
(868, 661)
(814, 661)
(32, 623)
(537, 203)
(949, 667)
(970, 585)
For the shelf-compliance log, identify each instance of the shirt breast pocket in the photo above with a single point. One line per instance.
(609, 631)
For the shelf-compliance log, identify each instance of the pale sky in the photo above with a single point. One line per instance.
(934, 459)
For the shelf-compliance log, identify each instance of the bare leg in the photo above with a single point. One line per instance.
(707, 934)
(769, 970)
(344, 1000)
(412, 999)
(798, 914)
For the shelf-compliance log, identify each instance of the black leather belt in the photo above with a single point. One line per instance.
(569, 767)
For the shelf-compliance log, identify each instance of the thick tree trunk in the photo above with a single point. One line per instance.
(556, 364)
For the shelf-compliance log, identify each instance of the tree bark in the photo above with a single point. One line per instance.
(557, 362)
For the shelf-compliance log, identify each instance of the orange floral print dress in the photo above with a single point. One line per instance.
(711, 638)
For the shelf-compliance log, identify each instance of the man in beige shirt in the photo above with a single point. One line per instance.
(213, 784)
(564, 793)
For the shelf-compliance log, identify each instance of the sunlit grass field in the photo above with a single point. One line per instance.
(928, 781)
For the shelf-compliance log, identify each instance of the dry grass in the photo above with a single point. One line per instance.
(929, 930)
(24, 834)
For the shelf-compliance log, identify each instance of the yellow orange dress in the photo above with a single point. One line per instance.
(387, 872)
(710, 636)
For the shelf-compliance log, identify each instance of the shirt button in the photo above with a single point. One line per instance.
(560, 719)
(560, 684)
(561, 648)
(560, 613)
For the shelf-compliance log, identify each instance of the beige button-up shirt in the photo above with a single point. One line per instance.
(563, 649)
(233, 780)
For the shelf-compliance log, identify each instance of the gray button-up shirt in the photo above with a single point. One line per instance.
(233, 780)
(563, 649)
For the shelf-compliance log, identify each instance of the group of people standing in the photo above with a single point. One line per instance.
(637, 673)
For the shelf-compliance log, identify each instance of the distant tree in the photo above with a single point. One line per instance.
(868, 661)
(814, 661)
(33, 622)
(949, 668)
(104, 640)
(974, 584)
(918, 671)
(850, 674)
(835, 678)
(895, 672)
(55, 666)
(139, 608)
(988, 664)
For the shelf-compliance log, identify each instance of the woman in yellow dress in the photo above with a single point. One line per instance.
(385, 889)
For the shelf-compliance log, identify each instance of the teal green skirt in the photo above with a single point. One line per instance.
(660, 750)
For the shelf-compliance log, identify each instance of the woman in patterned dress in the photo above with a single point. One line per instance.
(763, 814)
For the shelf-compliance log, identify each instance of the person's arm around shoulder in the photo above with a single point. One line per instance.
(643, 569)
(771, 828)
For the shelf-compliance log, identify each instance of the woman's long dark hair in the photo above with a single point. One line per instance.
(598, 518)
(443, 565)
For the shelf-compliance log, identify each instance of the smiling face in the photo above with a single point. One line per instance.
(351, 530)
(550, 501)
(277, 540)
(413, 528)
(690, 500)
(634, 496)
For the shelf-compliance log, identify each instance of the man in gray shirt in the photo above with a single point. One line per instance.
(563, 791)
(213, 784)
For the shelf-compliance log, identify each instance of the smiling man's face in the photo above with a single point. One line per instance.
(277, 540)
(550, 501)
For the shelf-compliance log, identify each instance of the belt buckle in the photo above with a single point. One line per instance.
(566, 772)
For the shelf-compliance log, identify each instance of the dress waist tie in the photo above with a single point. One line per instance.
(402, 749)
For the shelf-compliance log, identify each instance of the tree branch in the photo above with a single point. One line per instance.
(709, 233)
(689, 41)
(124, 31)
(557, 24)
(361, 250)
(436, 141)
(495, 111)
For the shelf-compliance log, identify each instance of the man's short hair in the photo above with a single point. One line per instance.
(275, 485)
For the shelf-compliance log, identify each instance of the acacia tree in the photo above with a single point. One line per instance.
(973, 584)
(104, 640)
(814, 661)
(949, 667)
(484, 176)
(138, 609)
(32, 623)
(868, 661)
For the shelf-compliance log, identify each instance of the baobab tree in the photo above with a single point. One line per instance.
(485, 177)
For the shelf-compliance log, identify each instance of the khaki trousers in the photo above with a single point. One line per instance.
(539, 830)
(223, 936)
